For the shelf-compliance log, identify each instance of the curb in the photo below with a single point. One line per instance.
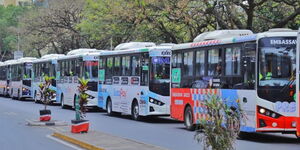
(46, 123)
(76, 142)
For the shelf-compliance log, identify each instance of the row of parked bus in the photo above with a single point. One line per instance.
(260, 72)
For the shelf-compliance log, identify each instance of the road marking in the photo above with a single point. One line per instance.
(64, 143)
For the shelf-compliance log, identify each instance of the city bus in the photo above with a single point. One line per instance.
(4, 78)
(20, 78)
(77, 64)
(134, 79)
(46, 65)
(257, 71)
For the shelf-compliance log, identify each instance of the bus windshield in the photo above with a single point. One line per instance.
(91, 69)
(160, 75)
(277, 68)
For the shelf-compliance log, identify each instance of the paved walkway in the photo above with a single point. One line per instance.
(95, 140)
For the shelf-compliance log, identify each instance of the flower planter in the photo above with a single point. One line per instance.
(80, 126)
(45, 115)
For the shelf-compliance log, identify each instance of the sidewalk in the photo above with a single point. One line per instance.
(95, 140)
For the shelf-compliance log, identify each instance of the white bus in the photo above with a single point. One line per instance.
(134, 79)
(20, 78)
(4, 78)
(46, 65)
(76, 64)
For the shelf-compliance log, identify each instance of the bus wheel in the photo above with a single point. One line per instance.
(188, 119)
(19, 97)
(11, 94)
(135, 111)
(35, 98)
(62, 101)
(74, 102)
(298, 137)
(109, 107)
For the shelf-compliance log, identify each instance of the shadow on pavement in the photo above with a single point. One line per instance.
(268, 138)
(148, 119)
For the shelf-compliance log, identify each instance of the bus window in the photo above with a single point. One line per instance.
(188, 64)
(200, 63)
(101, 63)
(126, 66)
(232, 61)
(214, 62)
(135, 66)
(109, 68)
(78, 68)
(117, 66)
(73, 68)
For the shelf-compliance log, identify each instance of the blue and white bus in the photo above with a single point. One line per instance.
(76, 64)
(46, 65)
(20, 78)
(134, 80)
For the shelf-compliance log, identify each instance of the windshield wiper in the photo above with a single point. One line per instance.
(285, 87)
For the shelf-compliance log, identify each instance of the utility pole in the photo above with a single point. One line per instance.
(111, 43)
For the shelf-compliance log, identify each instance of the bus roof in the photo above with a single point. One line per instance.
(18, 61)
(235, 38)
(81, 53)
(138, 50)
(134, 45)
(48, 57)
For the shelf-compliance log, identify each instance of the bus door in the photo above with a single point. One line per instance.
(248, 94)
(144, 81)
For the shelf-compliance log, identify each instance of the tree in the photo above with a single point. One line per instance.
(179, 21)
(174, 21)
(8, 26)
(256, 15)
(54, 28)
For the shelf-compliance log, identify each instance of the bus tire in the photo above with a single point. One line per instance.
(135, 111)
(188, 119)
(62, 103)
(109, 107)
(19, 97)
(11, 94)
(35, 98)
(242, 135)
(74, 102)
(297, 137)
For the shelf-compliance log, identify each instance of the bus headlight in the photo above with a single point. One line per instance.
(267, 112)
(24, 89)
(294, 124)
(151, 100)
(262, 110)
(156, 102)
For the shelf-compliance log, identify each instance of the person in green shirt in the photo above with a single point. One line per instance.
(267, 77)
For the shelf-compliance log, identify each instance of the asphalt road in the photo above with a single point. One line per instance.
(164, 132)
